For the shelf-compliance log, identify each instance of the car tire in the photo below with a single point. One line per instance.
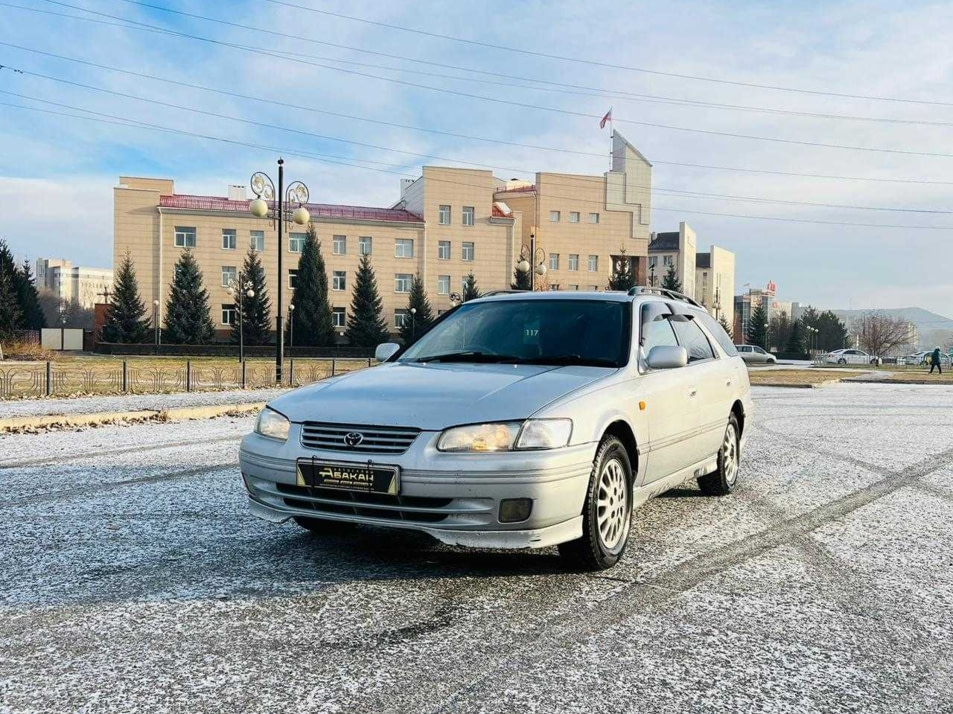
(321, 526)
(722, 480)
(842, 361)
(605, 527)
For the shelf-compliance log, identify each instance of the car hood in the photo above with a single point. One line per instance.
(434, 396)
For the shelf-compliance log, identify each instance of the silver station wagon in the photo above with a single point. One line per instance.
(519, 420)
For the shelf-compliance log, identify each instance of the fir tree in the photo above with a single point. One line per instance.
(521, 280)
(125, 321)
(757, 332)
(671, 281)
(416, 323)
(470, 289)
(188, 320)
(29, 299)
(365, 325)
(795, 343)
(11, 317)
(622, 277)
(313, 325)
(726, 326)
(255, 311)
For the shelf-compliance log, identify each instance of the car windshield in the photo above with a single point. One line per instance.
(556, 332)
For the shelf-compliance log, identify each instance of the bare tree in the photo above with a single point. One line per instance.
(879, 333)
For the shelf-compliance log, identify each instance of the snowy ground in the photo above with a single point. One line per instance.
(132, 579)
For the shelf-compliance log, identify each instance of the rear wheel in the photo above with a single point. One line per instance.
(607, 513)
(320, 526)
(721, 481)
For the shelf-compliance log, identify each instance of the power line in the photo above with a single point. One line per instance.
(136, 124)
(596, 63)
(267, 125)
(469, 95)
(469, 137)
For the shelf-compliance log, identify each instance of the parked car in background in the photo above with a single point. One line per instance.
(752, 354)
(923, 359)
(519, 420)
(849, 357)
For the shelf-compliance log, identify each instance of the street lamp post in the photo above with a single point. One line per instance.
(155, 323)
(538, 256)
(239, 292)
(264, 190)
(767, 338)
(652, 275)
(413, 324)
(291, 329)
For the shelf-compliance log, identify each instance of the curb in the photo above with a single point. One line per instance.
(30, 424)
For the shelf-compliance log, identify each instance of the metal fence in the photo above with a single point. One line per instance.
(39, 379)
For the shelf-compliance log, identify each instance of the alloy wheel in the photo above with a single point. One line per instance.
(612, 504)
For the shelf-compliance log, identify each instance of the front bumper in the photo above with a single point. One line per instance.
(453, 497)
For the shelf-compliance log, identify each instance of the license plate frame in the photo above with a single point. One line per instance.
(348, 476)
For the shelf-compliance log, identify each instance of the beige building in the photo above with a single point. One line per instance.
(446, 223)
(68, 281)
(707, 277)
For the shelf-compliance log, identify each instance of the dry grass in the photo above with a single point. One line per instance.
(26, 351)
(798, 377)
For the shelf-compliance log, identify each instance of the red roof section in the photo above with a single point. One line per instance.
(317, 210)
(497, 213)
(518, 189)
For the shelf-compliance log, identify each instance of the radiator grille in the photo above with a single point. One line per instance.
(372, 439)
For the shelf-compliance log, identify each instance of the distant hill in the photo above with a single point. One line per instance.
(933, 328)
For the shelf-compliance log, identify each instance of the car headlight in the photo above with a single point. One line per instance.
(273, 425)
(507, 436)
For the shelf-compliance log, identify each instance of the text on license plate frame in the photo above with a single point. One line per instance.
(348, 476)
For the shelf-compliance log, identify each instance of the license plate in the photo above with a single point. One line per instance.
(366, 478)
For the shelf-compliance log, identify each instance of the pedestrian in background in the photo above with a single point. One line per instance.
(935, 360)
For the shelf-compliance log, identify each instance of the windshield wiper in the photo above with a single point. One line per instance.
(468, 356)
(572, 359)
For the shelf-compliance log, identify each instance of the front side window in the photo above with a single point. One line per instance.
(404, 248)
(296, 242)
(185, 237)
(574, 261)
(468, 251)
(554, 216)
(338, 316)
(574, 216)
(443, 250)
(468, 215)
(593, 263)
(229, 239)
(339, 280)
(339, 245)
(656, 328)
(443, 285)
(443, 215)
(402, 282)
(365, 245)
(229, 275)
(554, 261)
(257, 241)
(547, 332)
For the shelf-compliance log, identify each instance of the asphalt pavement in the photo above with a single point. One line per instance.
(132, 579)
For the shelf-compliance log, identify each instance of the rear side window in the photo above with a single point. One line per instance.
(691, 337)
(718, 332)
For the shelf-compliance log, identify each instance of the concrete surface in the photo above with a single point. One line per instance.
(133, 580)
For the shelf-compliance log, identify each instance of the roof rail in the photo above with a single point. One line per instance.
(664, 292)
(504, 292)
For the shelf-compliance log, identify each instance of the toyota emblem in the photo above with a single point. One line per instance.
(353, 438)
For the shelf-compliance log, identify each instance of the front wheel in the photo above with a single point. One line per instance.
(607, 513)
(721, 481)
(842, 361)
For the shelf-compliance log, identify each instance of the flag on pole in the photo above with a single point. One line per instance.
(606, 118)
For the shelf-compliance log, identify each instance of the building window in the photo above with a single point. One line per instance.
(292, 277)
(400, 315)
(443, 216)
(574, 261)
(404, 248)
(468, 252)
(339, 280)
(593, 263)
(468, 215)
(443, 250)
(554, 261)
(594, 288)
(574, 216)
(296, 242)
(185, 237)
(593, 217)
(257, 242)
(338, 316)
(402, 282)
(229, 239)
(229, 314)
(573, 287)
(339, 245)
(443, 285)
(554, 216)
(668, 260)
(653, 261)
(365, 245)
(229, 275)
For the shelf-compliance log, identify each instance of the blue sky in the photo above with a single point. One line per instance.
(56, 172)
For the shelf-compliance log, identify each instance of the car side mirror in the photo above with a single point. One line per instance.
(667, 357)
(385, 351)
